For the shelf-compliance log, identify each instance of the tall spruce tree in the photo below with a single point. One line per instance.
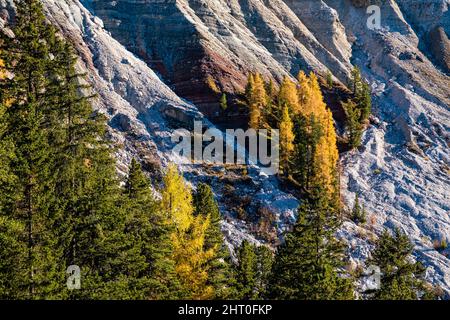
(148, 229)
(401, 278)
(353, 124)
(264, 263)
(246, 271)
(253, 270)
(361, 94)
(308, 266)
(11, 247)
(358, 214)
(93, 229)
(28, 59)
(64, 193)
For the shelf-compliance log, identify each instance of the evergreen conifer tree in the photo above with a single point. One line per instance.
(272, 114)
(246, 271)
(264, 263)
(358, 212)
(253, 271)
(308, 265)
(365, 102)
(330, 81)
(11, 246)
(401, 279)
(64, 193)
(361, 94)
(149, 230)
(353, 123)
(28, 59)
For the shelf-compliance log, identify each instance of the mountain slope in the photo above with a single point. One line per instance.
(191, 42)
(402, 171)
(142, 110)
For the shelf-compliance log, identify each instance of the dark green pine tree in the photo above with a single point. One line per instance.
(401, 279)
(7, 178)
(11, 228)
(353, 124)
(66, 192)
(148, 230)
(330, 82)
(253, 271)
(94, 229)
(358, 214)
(308, 266)
(361, 94)
(307, 138)
(355, 81)
(265, 259)
(246, 271)
(35, 208)
(365, 101)
(219, 267)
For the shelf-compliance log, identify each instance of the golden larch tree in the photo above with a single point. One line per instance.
(257, 99)
(312, 106)
(286, 140)
(288, 95)
(304, 92)
(189, 236)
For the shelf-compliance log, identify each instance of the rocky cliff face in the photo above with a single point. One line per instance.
(142, 56)
(203, 47)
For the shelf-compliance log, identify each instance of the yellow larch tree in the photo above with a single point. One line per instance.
(304, 92)
(257, 99)
(286, 140)
(189, 236)
(326, 155)
(192, 258)
(288, 95)
(2, 70)
(177, 199)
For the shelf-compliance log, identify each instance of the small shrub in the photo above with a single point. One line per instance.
(440, 245)
(265, 228)
(212, 84)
